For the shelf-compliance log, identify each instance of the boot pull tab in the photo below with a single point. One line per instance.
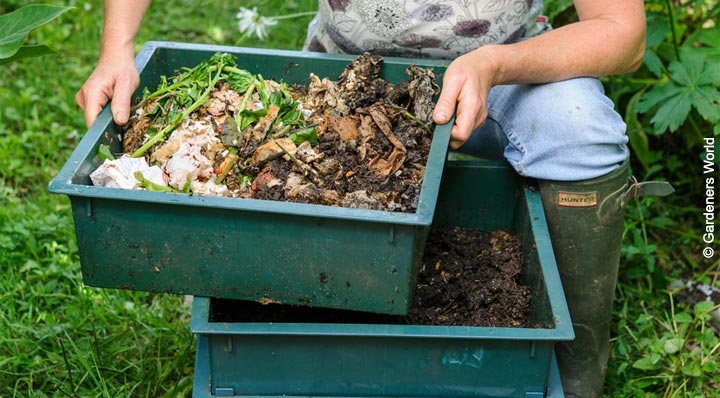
(617, 200)
(649, 188)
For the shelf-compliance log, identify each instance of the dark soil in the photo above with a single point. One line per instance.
(468, 278)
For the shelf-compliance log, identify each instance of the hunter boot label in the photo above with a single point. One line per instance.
(571, 199)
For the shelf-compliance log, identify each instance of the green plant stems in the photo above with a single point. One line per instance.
(149, 185)
(411, 117)
(170, 127)
(671, 16)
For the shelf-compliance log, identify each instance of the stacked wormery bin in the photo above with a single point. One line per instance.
(319, 256)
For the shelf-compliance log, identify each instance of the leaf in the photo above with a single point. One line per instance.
(710, 366)
(708, 37)
(307, 134)
(657, 95)
(622, 367)
(647, 363)
(707, 101)
(692, 369)
(711, 72)
(672, 113)
(653, 63)
(36, 50)
(635, 132)
(682, 317)
(672, 346)
(695, 78)
(15, 26)
(104, 152)
(688, 71)
(703, 307)
(657, 30)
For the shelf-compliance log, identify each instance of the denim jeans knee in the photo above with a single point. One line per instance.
(565, 131)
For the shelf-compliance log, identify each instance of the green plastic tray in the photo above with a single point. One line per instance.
(241, 248)
(389, 360)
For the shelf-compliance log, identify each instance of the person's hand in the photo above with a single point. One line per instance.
(115, 77)
(466, 84)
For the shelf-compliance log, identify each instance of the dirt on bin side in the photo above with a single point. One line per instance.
(468, 278)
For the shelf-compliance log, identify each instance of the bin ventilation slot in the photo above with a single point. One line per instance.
(224, 392)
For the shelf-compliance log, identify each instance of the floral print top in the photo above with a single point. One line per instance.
(419, 28)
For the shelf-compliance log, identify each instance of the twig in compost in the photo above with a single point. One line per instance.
(307, 171)
(410, 116)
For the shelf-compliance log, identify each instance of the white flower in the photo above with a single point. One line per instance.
(250, 22)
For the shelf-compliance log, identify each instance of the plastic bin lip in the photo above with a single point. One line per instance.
(63, 181)
(201, 309)
(151, 46)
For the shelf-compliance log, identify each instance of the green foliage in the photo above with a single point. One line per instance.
(15, 26)
(678, 87)
(694, 81)
(663, 348)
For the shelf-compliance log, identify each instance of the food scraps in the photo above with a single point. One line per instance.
(358, 141)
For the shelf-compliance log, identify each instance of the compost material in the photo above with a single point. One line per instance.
(357, 141)
(468, 278)
(471, 279)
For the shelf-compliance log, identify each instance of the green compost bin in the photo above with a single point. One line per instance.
(310, 358)
(249, 249)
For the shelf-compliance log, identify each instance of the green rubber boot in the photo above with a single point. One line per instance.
(585, 219)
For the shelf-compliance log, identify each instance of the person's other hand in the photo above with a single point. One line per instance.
(114, 78)
(466, 84)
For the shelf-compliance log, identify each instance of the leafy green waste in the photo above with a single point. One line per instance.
(177, 98)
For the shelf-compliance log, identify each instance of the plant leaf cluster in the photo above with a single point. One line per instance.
(665, 348)
(692, 80)
(15, 26)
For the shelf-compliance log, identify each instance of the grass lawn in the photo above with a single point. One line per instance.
(61, 338)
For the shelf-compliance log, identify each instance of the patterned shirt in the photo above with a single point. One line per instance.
(419, 28)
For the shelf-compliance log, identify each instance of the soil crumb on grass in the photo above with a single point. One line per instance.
(468, 278)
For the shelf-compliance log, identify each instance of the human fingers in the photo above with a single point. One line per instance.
(445, 107)
(91, 100)
(124, 87)
(471, 113)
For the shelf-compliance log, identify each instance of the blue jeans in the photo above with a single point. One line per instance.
(564, 131)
